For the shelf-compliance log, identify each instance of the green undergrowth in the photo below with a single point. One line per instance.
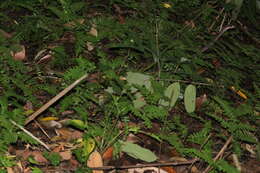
(160, 47)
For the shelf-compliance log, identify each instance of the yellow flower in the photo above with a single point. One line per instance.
(167, 5)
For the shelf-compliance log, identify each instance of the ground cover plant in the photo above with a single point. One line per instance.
(120, 85)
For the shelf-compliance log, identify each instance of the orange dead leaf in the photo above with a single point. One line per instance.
(108, 154)
(238, 92)
(95, 160)
(169, 169)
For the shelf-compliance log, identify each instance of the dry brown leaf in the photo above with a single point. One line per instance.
(9, 170)
(146, 169)
(169, 169)
(200, 101)
(69, 135)
(93, 31)
(67, 112)
(20, 55)
(38, 157)
(89, 46)
(108, 154)
(65, 155)
(95, 160)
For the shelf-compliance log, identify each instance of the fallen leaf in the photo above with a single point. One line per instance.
(9, 170)
(69, 135)
(93, 31)
(67, 112)
(108, 154)
(89, 46)
(200, 100)
(168, 169)
(147, 169)
(65, 155)
(95, 160)
(20, 55)
(38, 157)
(51, 124)
(48, 119)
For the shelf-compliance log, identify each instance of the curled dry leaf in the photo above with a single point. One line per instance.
(95, 160)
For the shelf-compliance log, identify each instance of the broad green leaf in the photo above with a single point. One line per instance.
(139, 79)
(138, 152)
(172, 92)
(190, 98)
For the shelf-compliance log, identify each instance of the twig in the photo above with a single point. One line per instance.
(204, 143)
(30, 134)
(218, 36)
(54, 99)
(145, 165)
(220, 153)
(43, 131)
(236, 162)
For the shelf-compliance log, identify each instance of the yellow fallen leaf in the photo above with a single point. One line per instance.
(48, 119)
(238, 92)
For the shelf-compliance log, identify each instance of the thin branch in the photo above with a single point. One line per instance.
(220, 153)
(43, 131)
(216, 39)
(145, 165)
(54, 99)
(30, 134)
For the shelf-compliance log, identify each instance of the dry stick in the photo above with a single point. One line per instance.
(30, 134)
(219, 153)
(145, 165)
(43, 131)
(218, 36)
(54, 99)
(204, 143)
